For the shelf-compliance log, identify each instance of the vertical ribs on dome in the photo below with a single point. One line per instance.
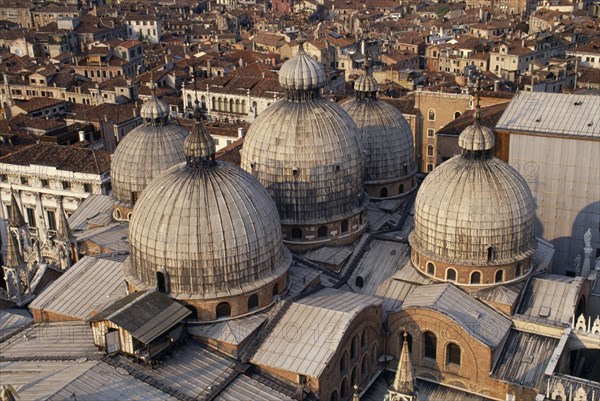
(200, 146)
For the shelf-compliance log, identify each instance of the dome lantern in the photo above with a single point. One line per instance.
(200, 146)
(365, 86)
(302, 76)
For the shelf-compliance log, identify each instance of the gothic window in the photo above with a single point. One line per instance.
(431, 115)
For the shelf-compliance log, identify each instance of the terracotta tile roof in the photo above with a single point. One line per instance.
(489, 117)
(67, 158)
(231, 153)
(37, 103)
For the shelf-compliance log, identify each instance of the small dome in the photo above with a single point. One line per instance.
(476, 137)
(365, 83)
(199, 145)
(470, 204)
(308, 156)
(213, 230)
(144, 153)
(386, 138)
(154, 109)
(302, 72)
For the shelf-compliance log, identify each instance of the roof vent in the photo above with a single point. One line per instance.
(578, 103)
(538, 120)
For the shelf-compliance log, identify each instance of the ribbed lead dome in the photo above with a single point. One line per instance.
(384, 132)
(210, 227)
(302, 72)
(146, 151)
(470, 204)
(476, 137)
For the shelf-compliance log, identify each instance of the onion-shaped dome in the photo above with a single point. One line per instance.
(146, 151)
(305, 150)
(474, 209)
(208, 226)
(365, 84)
(476, 137)
(384, 133)
(302, 72)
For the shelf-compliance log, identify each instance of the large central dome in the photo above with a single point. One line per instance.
(474, 217)
(207, 233)
(306, 152)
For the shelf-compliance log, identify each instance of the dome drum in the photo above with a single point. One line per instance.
(468, 275)
(345, 231)
(392, 189)
(252, 300)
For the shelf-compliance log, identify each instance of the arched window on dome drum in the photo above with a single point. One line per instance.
(133, 196)
(359, 282)
(518, 270)
(296, 233)
(117, 214)
(401, 189)
(252, 302)
(322, 232)
(452, 354)
(475, 278)
(431, 115)
(344, 226)
(499, 276)
(189, 101)
(343, 361)
(161, 282)
(223, 310)
(429, 150)
(430, 269)
(383, 193)
(451, 275)
(275, 290)
(430, 344)
(456, 115)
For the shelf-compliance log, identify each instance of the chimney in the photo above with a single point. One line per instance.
(241, 62)
(496, 85)
(240, 132)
